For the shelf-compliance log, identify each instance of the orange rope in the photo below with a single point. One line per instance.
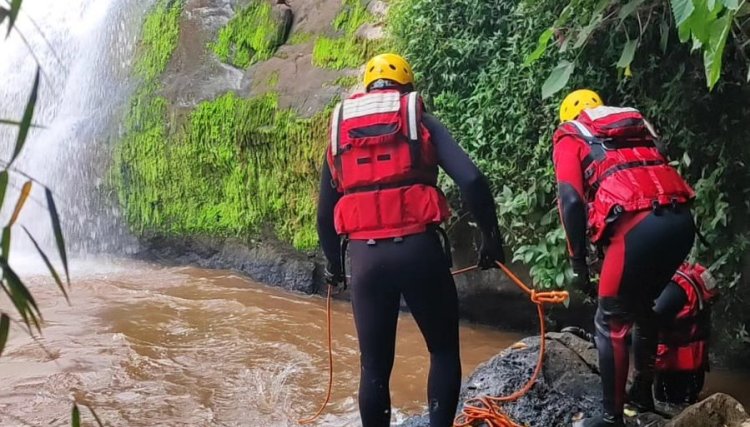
(487, 409)
(312, 419)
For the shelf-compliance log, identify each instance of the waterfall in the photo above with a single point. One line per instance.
(85, 49)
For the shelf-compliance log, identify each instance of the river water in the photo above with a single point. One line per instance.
(149, 345)
(177, 346)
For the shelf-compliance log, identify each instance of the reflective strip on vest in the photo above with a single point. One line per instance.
(604, 111)
(375, 103)
(412, 113)
(696, 288)
(582, 129)
(335, 123)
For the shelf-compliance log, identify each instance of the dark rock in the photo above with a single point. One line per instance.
(568, 387)
(716, 410)
(269, 262)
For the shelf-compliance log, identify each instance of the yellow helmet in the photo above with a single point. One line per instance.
(578, 101)
(388, 66)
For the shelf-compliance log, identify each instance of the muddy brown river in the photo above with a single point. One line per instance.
(149, 345)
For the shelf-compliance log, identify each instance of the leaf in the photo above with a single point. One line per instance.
(3, 14)
(731, 4)
(21, 201)
(15, 123)
(628, 9)
(628, 53)
(15, 7)
(541, 46)
(49, 265)
(6, 243)
(4, 326)
(58, 232)
(3, 185)
(21, 297)
(75, 416)
(712, 55)
(557, 79)
(23, 129)
(664, 41)
(586, 31)
(96, 417)
(682, 9)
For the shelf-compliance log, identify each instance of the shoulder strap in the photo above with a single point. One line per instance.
(336, 119)
(596, 145)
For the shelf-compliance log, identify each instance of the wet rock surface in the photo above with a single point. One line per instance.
(569, 388)
(268, 262)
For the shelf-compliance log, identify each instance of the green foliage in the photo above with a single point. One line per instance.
(220, 174)
(469, 57)
(347, 50)
(159, 35)
(300, 37)
(706, 24)
(346, 81)
(251, 35)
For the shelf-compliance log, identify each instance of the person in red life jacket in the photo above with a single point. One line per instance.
(616, 188)
(684, 310)
(379, 192)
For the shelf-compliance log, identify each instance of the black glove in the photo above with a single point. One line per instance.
(582, 280)
(333, 275)
(491, 251)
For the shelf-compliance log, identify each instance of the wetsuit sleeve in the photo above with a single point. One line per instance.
(571, 205)
(473, 185)
(327, 199)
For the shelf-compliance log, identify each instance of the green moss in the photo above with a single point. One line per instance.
(221, 174)
(346, 81)
(346, 51)
(300, 38)
(251, 35)
(273, 80)
(160, 32)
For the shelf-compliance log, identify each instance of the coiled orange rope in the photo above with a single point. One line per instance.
(484, 409)
(487, 409)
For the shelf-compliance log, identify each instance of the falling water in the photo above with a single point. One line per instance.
(84, 48)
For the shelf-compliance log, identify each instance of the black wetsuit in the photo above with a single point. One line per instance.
(418, 269)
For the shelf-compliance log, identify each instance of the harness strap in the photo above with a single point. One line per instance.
(696, 288)
(376, 187)
(623, 166)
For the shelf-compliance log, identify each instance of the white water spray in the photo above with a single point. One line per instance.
(84, 48)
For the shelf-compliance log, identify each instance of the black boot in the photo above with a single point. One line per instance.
(600, 421)
(640, 395)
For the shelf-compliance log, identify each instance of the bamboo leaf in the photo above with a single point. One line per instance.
(557, 79)
(3, 14)
(6, 243)
(25, 191)
(3, 185)
(15, 7)
(23, 130)
(96, 417)
(75, 416)
(714, 52)
(21, 297)
(4, 326)
(58, 232)
(49, 265)
(16, 123)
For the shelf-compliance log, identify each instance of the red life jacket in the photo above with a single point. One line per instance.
(683, 346)
(382, 159)
(624, 171)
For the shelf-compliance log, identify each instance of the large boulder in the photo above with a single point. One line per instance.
(716, 410)
(568, 387)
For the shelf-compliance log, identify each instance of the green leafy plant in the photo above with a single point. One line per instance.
(705, 24)
(482, 70)
(161, 30)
